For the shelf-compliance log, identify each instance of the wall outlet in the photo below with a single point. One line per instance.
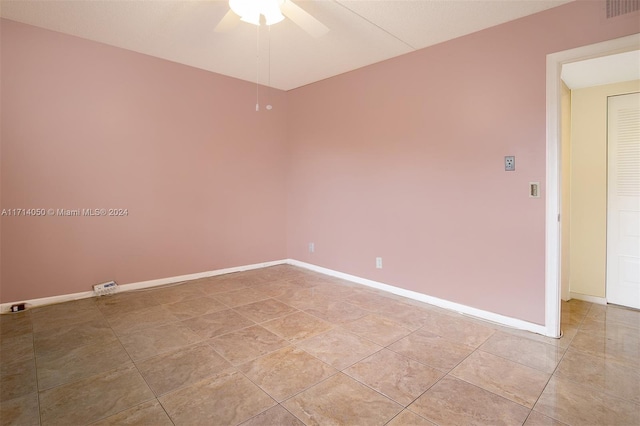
(18, 307)
(312, 247)
(378, 262)
(509, 163)
(105, 288)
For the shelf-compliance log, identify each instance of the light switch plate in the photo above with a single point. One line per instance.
(534, 189)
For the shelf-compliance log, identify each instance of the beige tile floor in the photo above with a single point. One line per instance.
(285, 346)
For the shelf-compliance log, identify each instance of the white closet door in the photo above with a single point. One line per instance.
(623, 216)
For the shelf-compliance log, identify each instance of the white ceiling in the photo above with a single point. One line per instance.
(603, 70)
(362, 32)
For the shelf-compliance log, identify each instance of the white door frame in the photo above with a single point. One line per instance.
(554, 193)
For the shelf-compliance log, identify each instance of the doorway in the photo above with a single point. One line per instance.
(584, 168)
(555, 63)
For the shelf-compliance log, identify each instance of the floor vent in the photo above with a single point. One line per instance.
(621, 7)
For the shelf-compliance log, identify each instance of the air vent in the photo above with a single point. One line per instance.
(621, 7)
(628, 152)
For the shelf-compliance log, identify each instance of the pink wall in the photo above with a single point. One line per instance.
(86, 125)
(404, 160)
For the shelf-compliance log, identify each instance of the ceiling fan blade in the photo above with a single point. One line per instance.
(228, 22)
(303, 19)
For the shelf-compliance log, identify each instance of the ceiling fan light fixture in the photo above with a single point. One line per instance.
(274, 18)
(271, 12)
(251, 18)
(240, 7)
(250, 10)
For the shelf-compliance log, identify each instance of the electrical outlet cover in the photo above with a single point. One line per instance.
(509, 163)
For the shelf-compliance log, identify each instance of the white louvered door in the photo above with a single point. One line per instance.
(623, 189)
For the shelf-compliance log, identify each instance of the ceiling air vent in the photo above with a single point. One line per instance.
(621, 7)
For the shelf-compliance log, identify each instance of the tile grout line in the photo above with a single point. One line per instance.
(141, 376)
(33, 342)
(564, 353)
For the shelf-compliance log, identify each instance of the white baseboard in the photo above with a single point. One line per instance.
(6, 307)
(446, 304)
(587, 298)
(197, 276)
(463, 309)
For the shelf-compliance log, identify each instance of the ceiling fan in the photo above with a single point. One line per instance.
(273, 12)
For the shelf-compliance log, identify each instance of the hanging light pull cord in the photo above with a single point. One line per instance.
(257, 65)
(269, 70)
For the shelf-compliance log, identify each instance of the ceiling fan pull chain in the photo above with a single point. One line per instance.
(269, 107)
(257, 65)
